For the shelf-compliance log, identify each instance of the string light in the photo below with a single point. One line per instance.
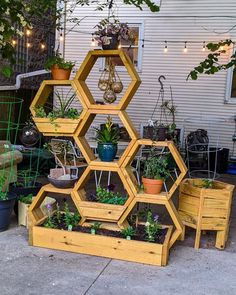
(185, 47)
(93, 42)
(13, 42)
(28, 32)
(166, 47)
(61, 37)
(28, 45)
(42, 46)
(119, 46)
(204, 46)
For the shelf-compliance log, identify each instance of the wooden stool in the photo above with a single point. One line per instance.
(206, 209)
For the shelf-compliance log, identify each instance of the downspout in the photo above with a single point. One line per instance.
(23, 76)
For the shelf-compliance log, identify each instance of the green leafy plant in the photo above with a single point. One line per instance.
(63, 110)
(211, 64)
(3, 195)
(95, 226)
(26, 199)
(59, 61)
(128, 232)
(71, 219)
(152, 227)
(156, 168)
(50, 222)
(107, 134)
(104, 195)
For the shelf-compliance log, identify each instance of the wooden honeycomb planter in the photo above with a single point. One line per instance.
(104, 246)
(206, 209)
(56, 127)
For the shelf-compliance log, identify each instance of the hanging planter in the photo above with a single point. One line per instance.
(110, 82)
(110, 42)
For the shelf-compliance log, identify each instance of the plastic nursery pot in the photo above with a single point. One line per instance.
(152, 186)
(60, 74)
(6, 208)
(107, 151)
(93, 231)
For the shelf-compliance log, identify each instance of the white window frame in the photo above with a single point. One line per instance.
(228, 98)
(140, 48)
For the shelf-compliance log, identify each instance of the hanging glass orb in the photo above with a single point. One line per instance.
(117, 87)
(109, 96)
(102, 84)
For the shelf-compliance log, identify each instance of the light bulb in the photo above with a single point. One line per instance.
(28, 45)
(43, 46)
(28, 32)
(166, 47)
(119, 46)
(204, 46)
(93, 42)
(13, 42)
(185, 48)
(61, 37)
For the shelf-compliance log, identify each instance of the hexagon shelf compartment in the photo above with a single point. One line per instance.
(85, 69)
(59, 126)
(116, 215)
(83, 144)
(100, 211)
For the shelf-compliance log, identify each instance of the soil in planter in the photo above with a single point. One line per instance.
(139, 236)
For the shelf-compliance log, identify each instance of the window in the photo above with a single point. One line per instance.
(231, 86)
(134, 51)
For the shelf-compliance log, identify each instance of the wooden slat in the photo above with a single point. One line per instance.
(136, 251)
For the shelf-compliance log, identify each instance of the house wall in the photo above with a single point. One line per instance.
(178, 20)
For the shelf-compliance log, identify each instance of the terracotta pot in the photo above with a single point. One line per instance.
(152, 186)
(60, 74)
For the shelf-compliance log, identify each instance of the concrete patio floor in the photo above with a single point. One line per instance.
(35, 271)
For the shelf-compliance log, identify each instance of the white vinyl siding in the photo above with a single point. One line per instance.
(178, 20)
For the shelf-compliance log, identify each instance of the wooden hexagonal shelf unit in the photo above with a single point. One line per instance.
(85, 69)
(82, 143)
(59, 126)
(99, 211)
(127, 170)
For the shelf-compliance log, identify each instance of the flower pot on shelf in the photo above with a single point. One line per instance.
(59, 73)
(107, 151)
(152, 186)
(6, 207)
(58, 126)
(114, 43)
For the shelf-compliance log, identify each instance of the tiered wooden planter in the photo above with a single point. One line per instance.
(206, 208)
(137, 251)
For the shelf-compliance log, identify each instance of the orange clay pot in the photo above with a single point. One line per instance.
(152, 186)
(60, 74)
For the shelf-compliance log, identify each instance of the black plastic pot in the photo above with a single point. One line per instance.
(114, 43)
(6, 208)
(24, 191)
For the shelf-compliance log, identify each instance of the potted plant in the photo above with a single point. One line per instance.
(109, 34)
(107, 138)
(65, 176)
(128, 232)
(59, 67)
(94, 227)
(62, 119)
(155, 172)
(7, 201)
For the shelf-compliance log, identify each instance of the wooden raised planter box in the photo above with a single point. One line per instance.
(58, 126)
(104, 246)
(206, 208)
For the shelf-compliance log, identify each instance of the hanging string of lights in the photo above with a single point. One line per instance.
(186, 43)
